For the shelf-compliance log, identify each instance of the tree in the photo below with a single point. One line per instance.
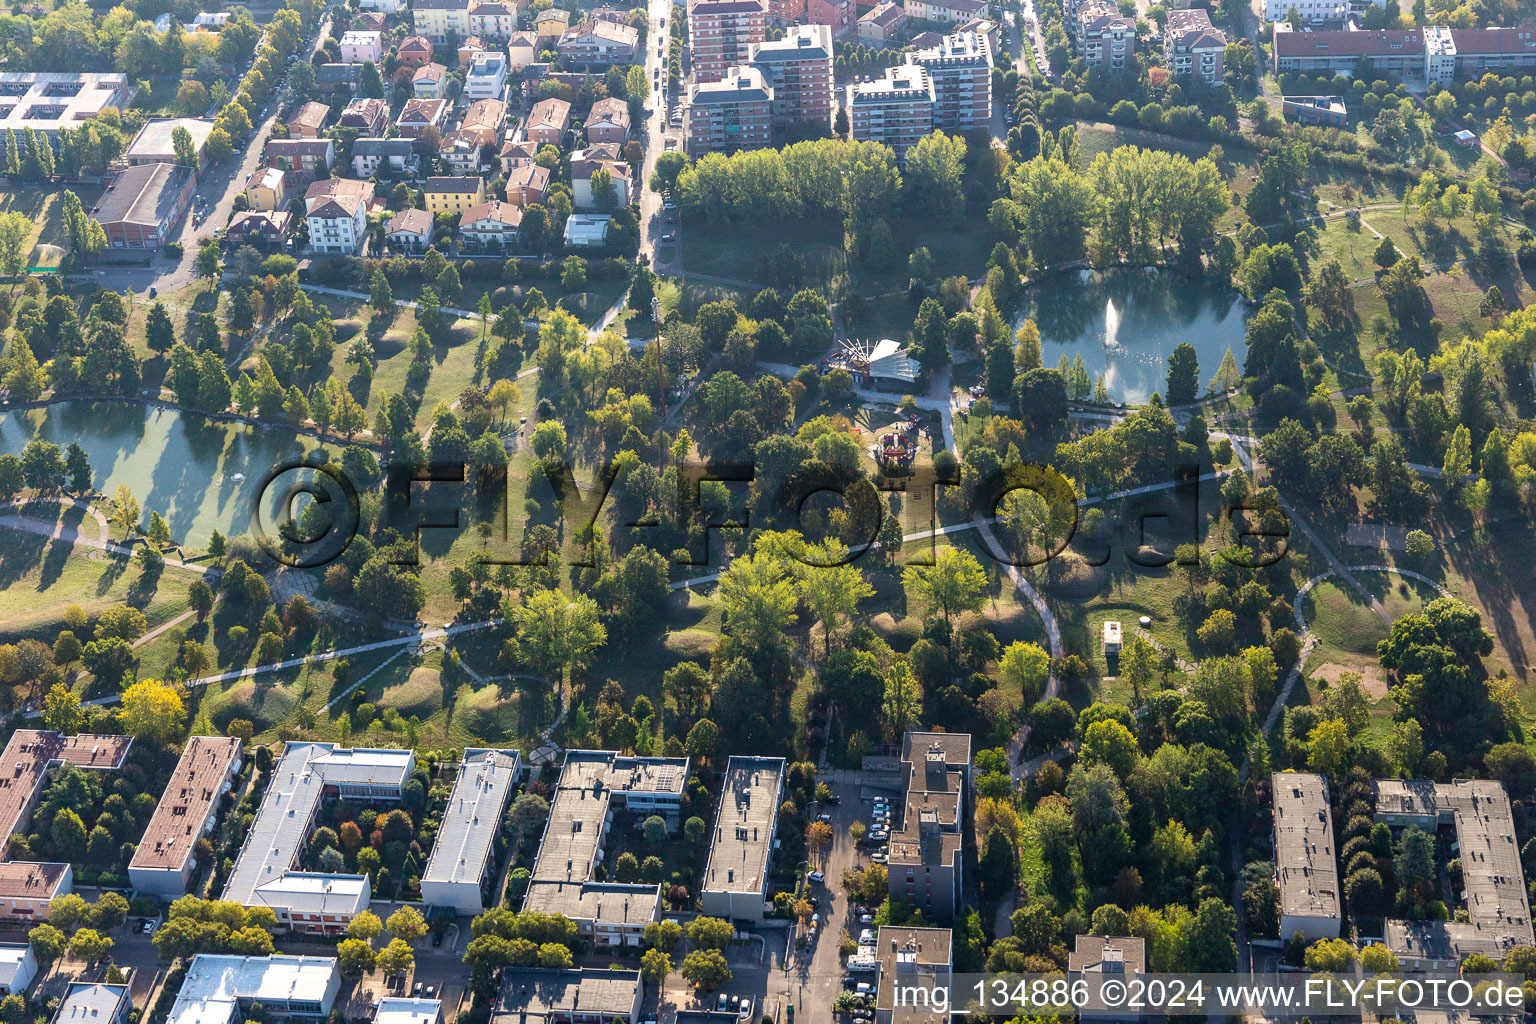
(89, 945)
(406, 924)
(381, 296)
(61, 710)
(706, 969)
(1025, 666)
(818, 836)
(710, 933)
(15, 229)
(954, 583)
(903, 699)
(758, 600)
(207, 264)
(655, 965)
(183, 147)
(1386, 253)
(395, 957)
(355, 957)
(366, 926)
(48, 943)
(831, 588)
(1183, 374)
(154, 710)
(557, 635)
(935, 169)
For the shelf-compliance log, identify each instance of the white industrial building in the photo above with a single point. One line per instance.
(741, 850)
(18, 966)
(394, 1010)
(455, 874)
(307, 774)
(1306, 869)
(222, 989)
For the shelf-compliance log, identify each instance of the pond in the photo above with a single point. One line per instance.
(201, 475)
(1125, 322)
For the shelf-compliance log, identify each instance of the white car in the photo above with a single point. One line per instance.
(746, 1008)
(867, 937)
(817, 876)
(879, 858)
(878, 834)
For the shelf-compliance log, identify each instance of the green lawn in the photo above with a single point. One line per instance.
(42, 207)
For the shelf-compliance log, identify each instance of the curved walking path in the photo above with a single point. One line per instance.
(58, 531)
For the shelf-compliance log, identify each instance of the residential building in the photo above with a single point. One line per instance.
(471, 46)
(522, 49)
(535, 995)
(419, 115)
(729, 115)
(486, 78)
(391, 157)
(415, 51)
(493, 20)
(370, 21)
(1104, 37)
(28, 889)
(266, 229)
(336, 75)
(309, 773)
(427, 81)
(460, 151)
(735, 885)
(384, 6)
(156, 143)
(896, 109)
(840, 16)
(517, 153)
(960, 69)
(608, 121)
(409, 231)
(882, 24)
(798, 68)
(592, 786)
(461, 857)
(925, 869)
(395, 1010)
(491, 226)
(94, 1001)
(527, 183)
(721, 35)
(786, 12)
(1192, 47)
(914, 958)
(549, 121)
(140, 209)
(1098, 958)
(945, 12)
(1434, 53)
(163, 861)
(1496, 909)
(587, 229)
(47, 100)
(453, 194)
(1306, 869)
(361, 47)
(308, 121)
(18, 966)
(600, 42)
(222, 989)
(550, 25)
(1313, 11)
(368, 116)
(306, 157)
(438, 19)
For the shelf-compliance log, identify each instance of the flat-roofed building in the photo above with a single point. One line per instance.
(139, 209)
(222, 989)
(394, 1010)
(188, 809)
(728, 115)
(94, 1002)
(799, 69)
(26, 888)
(592, 784)
(722, 33)
(960, 68)
(1098, 957)
(533, 995)
(18, 966)
(896, 109)
(46, 101)
(461, 855)
(926, 854)
(305, 776)
(487, 76)
(156, 143)
(736, 879)
(915, 958)
(361, 47)
(1498, 910)
(1306, 868)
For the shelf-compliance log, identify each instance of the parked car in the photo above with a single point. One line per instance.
(866, 919)
(826, 818)
(878, 834)
(149, 927)
(746, 1008)
(817, 876)
(722, 1001)
(880, 858)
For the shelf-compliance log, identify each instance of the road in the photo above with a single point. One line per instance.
(653, 221)
(218, 186)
